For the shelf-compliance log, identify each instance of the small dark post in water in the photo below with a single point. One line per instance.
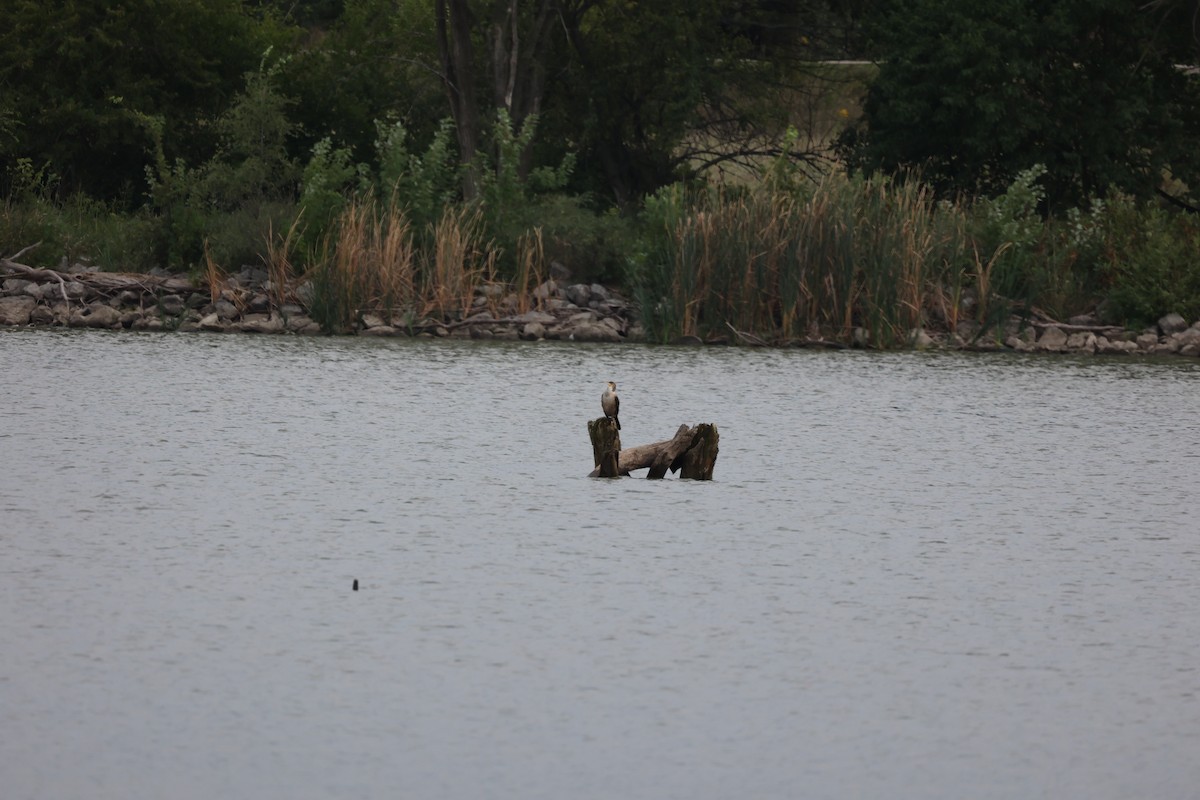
(692, 452)
(356, 584)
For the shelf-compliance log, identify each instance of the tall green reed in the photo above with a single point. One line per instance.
(846, 253)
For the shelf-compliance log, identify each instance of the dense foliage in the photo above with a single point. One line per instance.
(79, 81)
(210, 134)
(972, 93)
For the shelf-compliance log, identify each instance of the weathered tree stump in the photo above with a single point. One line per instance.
(699, 460)
(692, 452)
(606, 447)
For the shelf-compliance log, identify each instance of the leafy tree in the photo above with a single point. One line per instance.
(243, 192)
(640, 90)
(374, 63)
(973, 93)
(80, 77)
(517, 40)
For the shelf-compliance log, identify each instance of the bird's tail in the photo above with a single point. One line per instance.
(618, 423)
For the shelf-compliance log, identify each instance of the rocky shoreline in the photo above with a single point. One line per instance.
(247, 302)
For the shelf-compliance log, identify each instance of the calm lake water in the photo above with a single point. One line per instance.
(915, 575)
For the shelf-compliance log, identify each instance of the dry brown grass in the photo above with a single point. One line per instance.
(279, 263)
(214, 275)
(531, 267)
(374, 262)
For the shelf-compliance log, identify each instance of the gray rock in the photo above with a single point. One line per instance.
(1114, 346)
(599, 292)
(1189, 336)
(226, 310)
(1190, 350)
(297, 322)
(75, 290)
(582, 317)
(591, 332)
(579, 294)
(127, 298)
(1172, 323)
(920, 339)
(15, 286)
(378, 330)
(481, 316)
(1147, 341)
(546, 289)
(1082, 340)
(305, 293)
(1052, 339)
(559, 272)
(535, 316)
(968, 329)
(373, 321)
(16, 310)
(96, 315)
(533, 330)
(614, 323)
(259, 323)
(252, 276)
(211, 323)
(172, 305)
(41, 315)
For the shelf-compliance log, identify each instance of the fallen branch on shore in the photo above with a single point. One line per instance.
(748, 338)
(103, 283)
(1068, 328)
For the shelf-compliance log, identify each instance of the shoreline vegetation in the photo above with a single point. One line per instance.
(738, 179)
(737, 269)
(842, 262)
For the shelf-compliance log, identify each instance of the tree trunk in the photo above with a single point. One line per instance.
(606, 447)
(691, 451)
(454, 46)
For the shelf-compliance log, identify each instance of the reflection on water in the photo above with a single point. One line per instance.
(915, 575)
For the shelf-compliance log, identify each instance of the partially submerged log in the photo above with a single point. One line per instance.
(692, 452)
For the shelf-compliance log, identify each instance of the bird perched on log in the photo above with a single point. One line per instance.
(611, 403)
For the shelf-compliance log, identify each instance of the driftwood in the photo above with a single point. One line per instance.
(98, 282)
(692, 452)
(1067, 328)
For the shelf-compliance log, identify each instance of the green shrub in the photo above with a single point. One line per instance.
(1150, 262)
(330, 178)
(423, 185)
(235, 199)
